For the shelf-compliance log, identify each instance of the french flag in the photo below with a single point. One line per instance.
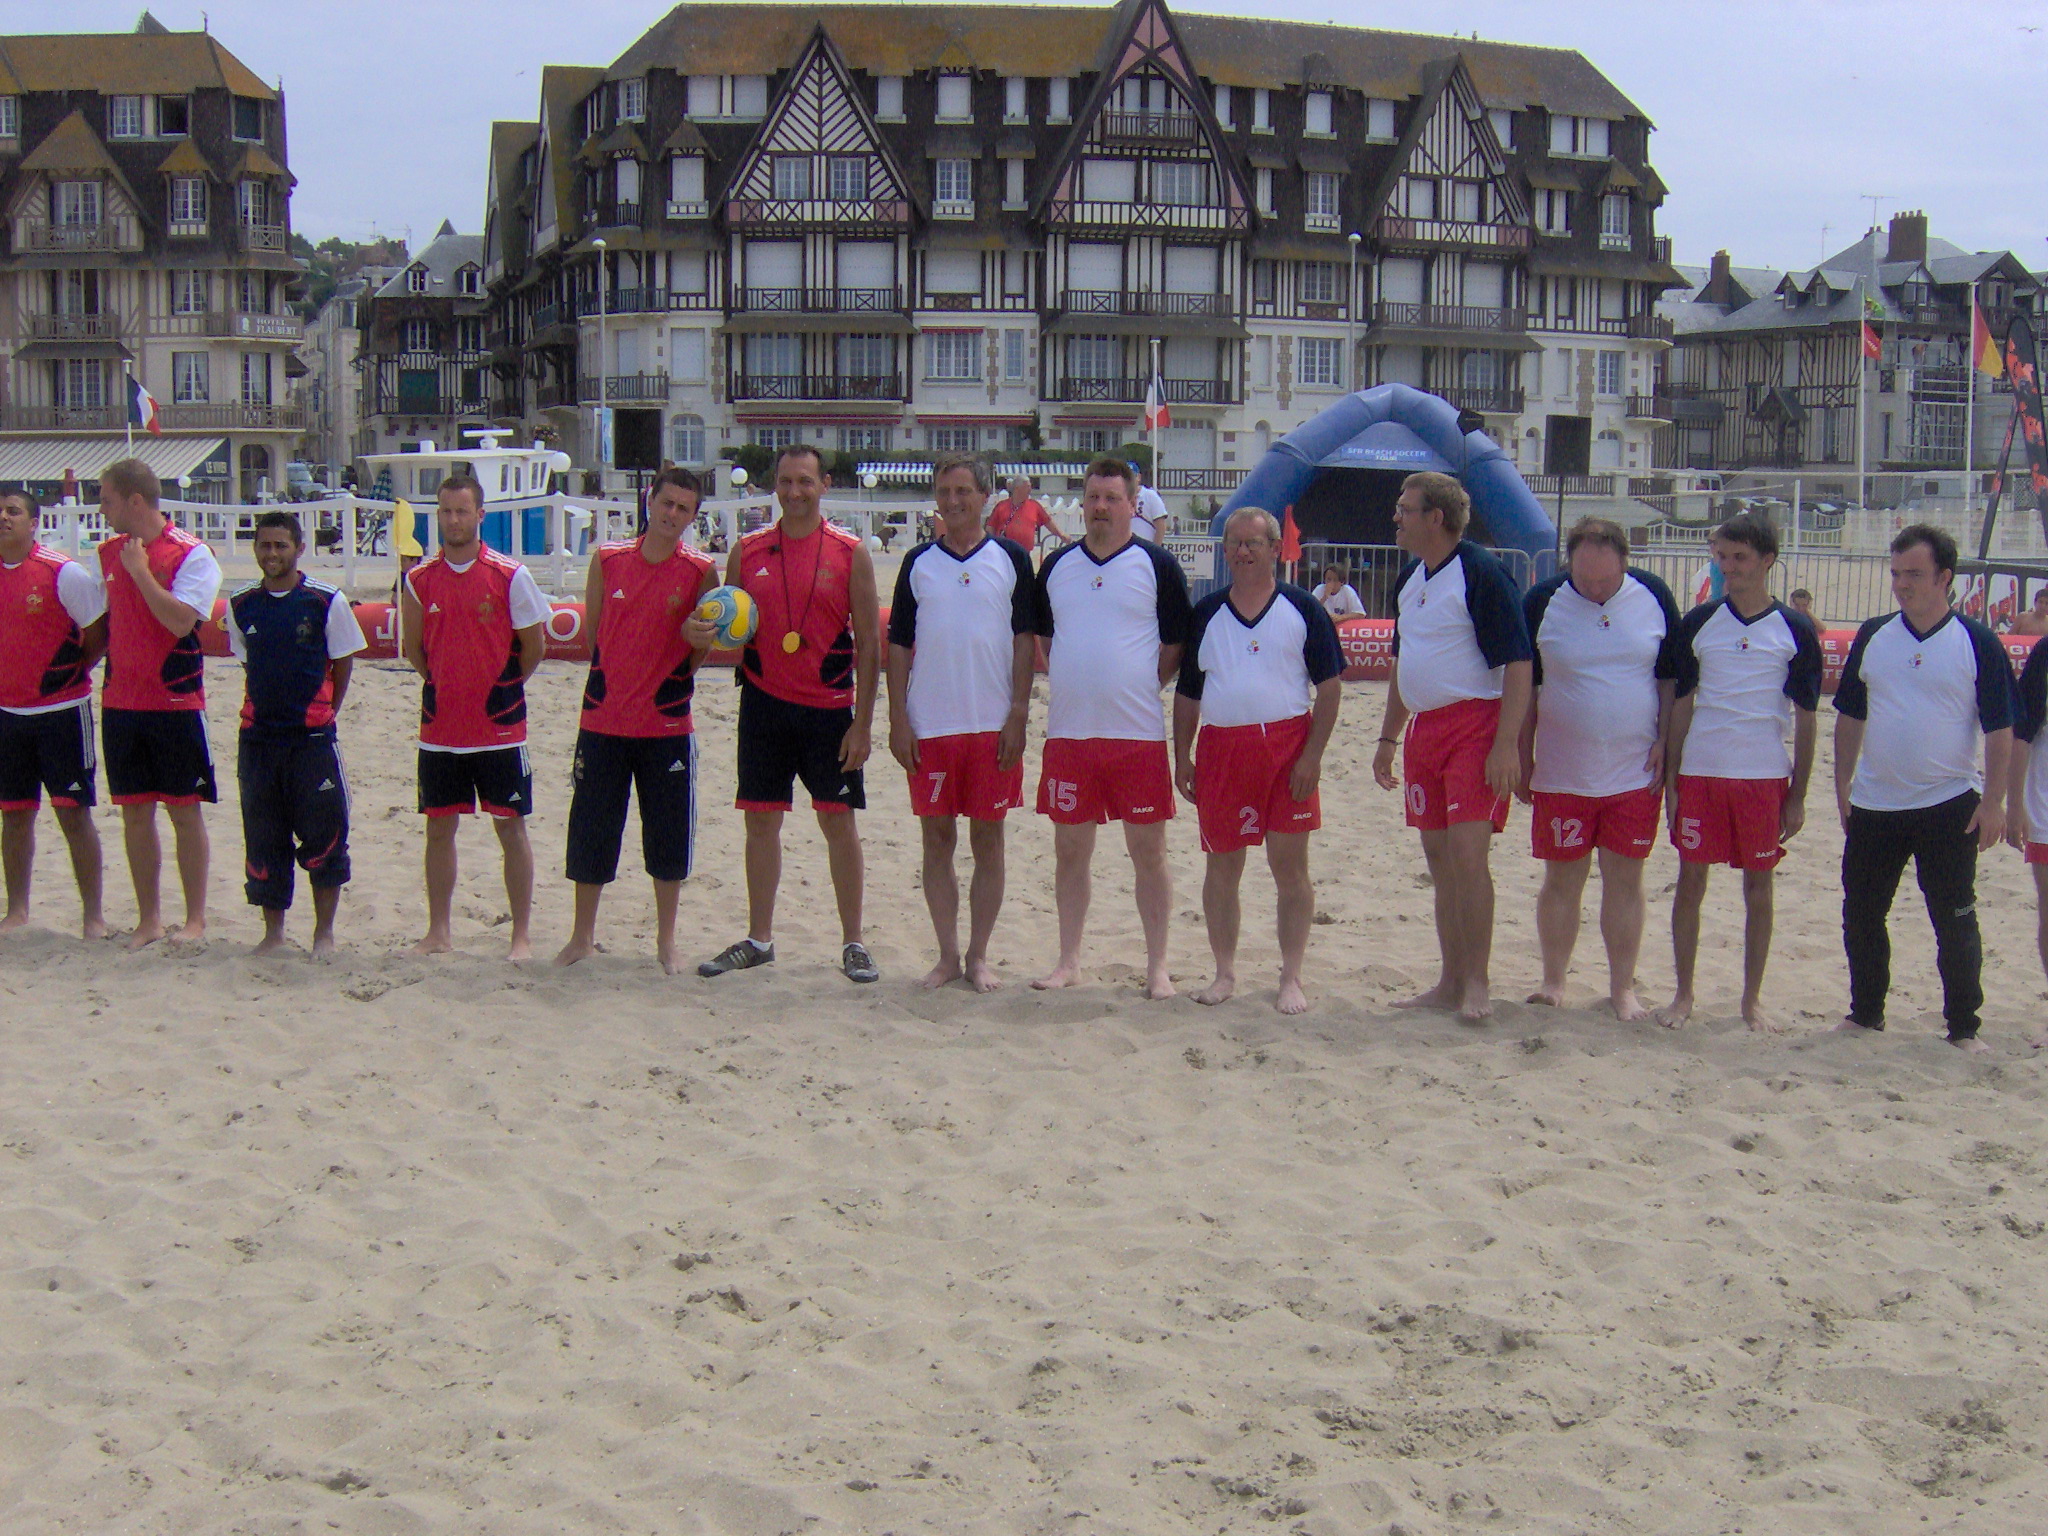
(1156, 413)
(142, 411)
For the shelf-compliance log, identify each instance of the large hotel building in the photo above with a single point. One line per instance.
(920, 227)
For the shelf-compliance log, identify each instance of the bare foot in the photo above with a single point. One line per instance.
(1219, 990)
(433, 944)
(323, 947)
(1675, 1012)
(1759, 1022)
(268, 944)
(982, 977)
(940, 974)
(574, 950)
(1291, 999)
(1627, 1008)
(14, 920)
(665, 954)
(190, 932)
(1059, 976)
(1158, 984)
(1973, 1045)
(145, 934)
(1442, 995)
(1547, 996)
(1851, 1027)
(521, 950)
(1478, 1004)
(92, 928)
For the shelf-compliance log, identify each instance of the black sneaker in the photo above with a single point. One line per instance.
(738, 957)
(858, 964)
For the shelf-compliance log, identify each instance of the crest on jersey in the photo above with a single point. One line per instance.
(1606, 622)
(485, 607)
(35, 601)
(966, 580)
(1096, 583)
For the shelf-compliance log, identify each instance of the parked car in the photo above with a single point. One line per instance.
(305, 482)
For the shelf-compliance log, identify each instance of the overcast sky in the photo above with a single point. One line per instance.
(1776, 120)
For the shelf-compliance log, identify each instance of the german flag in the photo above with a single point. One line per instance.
(1984, 353)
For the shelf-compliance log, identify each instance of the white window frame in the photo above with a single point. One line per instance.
(1379, 120)
(1016, 100)
(1013, 183)
(953, 357)
(846, 178)
(748, 97)
(189, 292)
(1320, 283)
(416, 335)
(1059, 99)
(1502, 122)
(188, 205)
(960, 108)
(1013, 356)
(1580, 138)
(1177, 184)
(252, 198)
(792, 178)
(10, 117)
(469, 281)
(704, 96)
(687, 442)
(953, 189)
(124, 117)
(955, 439)
(1553, 211)
(1262, 109)
(888, 98)
(1319, 362)
(633, 99)
(1094, 357)
(1614, 221)
(1318, 115)
(686, 207)
(191, 378)
(626, 181)
(172, 133)
(863, 439)
(1608, 374)
(1262, 189)
(1223, 107)
(417, 279)
(1321, 200)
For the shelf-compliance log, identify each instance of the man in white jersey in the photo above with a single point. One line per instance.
(1115, 609)
(1593, 748)
(1152, 520)
(1922, 692)
(53, 612)
(1262, 676)
(2026, 821)
(963, 645)
(1749, 672)
(1461, 670)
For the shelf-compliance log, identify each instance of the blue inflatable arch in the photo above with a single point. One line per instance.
(1392, 428)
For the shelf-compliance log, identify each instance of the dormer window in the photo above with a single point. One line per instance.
(1614, 221)
(1918, 293)
(1015, 106)
(10, 117)
(1058, 99)
(889, 98)
(124, 117)
(1580, 137)
(1379, 119)
(248, 118)
(1262, 110)
(956, 99)
(173, 116)
(633, 100)
(415, 279)
(1316, 115)
(469, 281)
(686, 187)
(1223, 107)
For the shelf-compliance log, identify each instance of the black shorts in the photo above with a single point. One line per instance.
(294, 812)
(157, 755)
(661, 771)
(780, 742)
(51, 751)
(499, 780)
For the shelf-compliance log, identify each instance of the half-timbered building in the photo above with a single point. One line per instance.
(425, 372)
(912, 227)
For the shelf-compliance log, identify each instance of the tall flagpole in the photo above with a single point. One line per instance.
(128, 407)
(1862, 435)
(1970, 408)
(1152, 415)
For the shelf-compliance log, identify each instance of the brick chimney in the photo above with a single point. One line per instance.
(1718, 288)
(1908, 240)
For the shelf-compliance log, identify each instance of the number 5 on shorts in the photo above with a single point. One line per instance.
(1689, 832)
(1066, 795)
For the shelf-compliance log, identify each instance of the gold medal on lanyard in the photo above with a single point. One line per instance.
(792, 643)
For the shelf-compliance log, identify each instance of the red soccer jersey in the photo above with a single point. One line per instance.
(640, 682)
(41, 661)
(1019, 524)
(474, 696)
(802, 587)
(147, 666)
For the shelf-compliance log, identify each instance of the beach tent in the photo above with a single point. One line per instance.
(1341, 472)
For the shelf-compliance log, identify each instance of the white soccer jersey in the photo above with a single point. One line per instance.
(1262, 669)
(1598, 665)
(1926, 701)
(1745, 677)
(1456, 628)
(2031, 713)
(1107, 620)
(961, 614)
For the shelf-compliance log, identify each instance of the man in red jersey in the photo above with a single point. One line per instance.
(1021, 517)
(807, 702)
(474, 627)
(53, 612)
(161, 583)
(639, 607)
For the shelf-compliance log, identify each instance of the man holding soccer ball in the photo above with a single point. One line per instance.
(647, 641)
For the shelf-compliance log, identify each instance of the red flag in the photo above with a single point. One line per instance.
(1872, 347)
(1290, 538)
(1983, 350)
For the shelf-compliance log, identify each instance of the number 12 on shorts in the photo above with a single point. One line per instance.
(1567, 831)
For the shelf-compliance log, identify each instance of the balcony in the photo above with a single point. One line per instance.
(262, 237)
(1132, 391)
(1649, 407)
(255, 327)
(61, 418)
(1450, 317)
(1148, 127)
(75, 327)
(851, 214)
(1571, 485)
(118, 234)
(408, 403)
(1648, 327)
(251, 416)
(507, 407)
(620, 301)
(689, 210)
(1191, 218)
(624, 387)
(1091, 301)
(555, 397)
(798, 386)
(821, 301)
(1171, 479)
(1487, 400)
(1436, 234)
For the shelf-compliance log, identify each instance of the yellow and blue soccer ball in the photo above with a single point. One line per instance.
(731, 613)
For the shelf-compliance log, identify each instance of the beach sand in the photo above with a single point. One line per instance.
(397, 1245)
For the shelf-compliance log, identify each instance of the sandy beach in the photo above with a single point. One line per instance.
(396, 1245)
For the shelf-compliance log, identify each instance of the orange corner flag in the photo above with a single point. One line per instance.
(1984, 355)
(1290, 538)
(1872, 347)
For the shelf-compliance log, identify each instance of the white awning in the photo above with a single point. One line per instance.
(36, 460)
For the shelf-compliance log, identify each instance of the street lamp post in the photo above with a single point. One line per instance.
(603, 393)
(1351, 317)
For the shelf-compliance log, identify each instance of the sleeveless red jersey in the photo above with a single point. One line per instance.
(473, 696)
(640, 682)
(41, 661)
(801, 585)
(147, 666)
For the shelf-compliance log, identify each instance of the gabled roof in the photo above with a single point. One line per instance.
(73, 146)
(818, 105)
(1040, 40)
(186, 159)
(257, 161)
(124, 63)
(445, 255)
(562, 89)
(1449, 84)
(622, 143)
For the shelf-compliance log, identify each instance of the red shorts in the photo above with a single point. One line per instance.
(1099, 778)
(958, 776)
(2037, 853)
(1444, 766)
(1241, 776)
(1730, 821)
(1568, 827)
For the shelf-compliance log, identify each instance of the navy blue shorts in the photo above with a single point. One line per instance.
(499, 780)
(294, 813)
(661, 771)
(781, 742)
(157, 756)
(52, 751)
